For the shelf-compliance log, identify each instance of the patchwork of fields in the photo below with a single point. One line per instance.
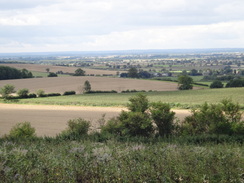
(50, 120)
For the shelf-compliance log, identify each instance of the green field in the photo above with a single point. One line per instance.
(180, 99)
(39, 74)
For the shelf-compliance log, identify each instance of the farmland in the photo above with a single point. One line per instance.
(52, 120)
(49, 115)
(62, 84)
(57, 153)
(180, 99)
(53, 68)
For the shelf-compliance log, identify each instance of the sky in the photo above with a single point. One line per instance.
(100, 25)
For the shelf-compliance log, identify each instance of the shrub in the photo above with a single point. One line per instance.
(23, 93)
(53, 94)
(135, 124)
(238, 128)
(132, 91)
(40, 93)
(163, 118)
(52, 74)
(231, 110)
(200, 120)
(76, 129)
(79, 126)
(69, 93)
(113, 126)
(220, 118)
(32, 95)
(22, 130)
(216, 84)
(6, 91)
(138, 103)
(99, 91)
(235, 83)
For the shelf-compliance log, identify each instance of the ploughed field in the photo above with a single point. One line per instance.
(42, 68)
(62, 84)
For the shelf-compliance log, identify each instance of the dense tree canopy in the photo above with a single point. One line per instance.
(185, 82)
(216, 84)
(13, 73)
(26, 74)
(52, 74)
(235, 83)
(133, 73)
(79, 72)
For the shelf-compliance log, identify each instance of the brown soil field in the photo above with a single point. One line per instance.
(51, 120)
(62, 84)
(42, 68)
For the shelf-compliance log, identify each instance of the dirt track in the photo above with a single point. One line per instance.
(51, 120)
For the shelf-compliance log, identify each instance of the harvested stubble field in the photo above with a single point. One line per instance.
(42, 68)
(51, 120)
(62, 84)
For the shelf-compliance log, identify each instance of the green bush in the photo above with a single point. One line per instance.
(231, 110)
(23, 93)
(40, 93)
(113, 126)
(52, 74)
(76, 129)
(32, 95)
(235, 83)
(138, 103)
(6, 91)
(99, 91)
(22, 130)
(132, 91)
(53, 94)
(69, 93)
(136, 124)
(223, 118)
(216, 84)
(163, 118)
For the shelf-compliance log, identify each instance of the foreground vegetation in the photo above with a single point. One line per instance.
(90, 160)
(177, 99)
(143, 144)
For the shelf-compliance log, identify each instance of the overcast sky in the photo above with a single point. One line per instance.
(91, 25)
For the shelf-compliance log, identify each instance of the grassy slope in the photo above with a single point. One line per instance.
(185, 98)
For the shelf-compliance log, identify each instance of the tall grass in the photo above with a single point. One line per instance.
(51, 160)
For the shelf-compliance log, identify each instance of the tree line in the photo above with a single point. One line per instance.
(13, 73)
